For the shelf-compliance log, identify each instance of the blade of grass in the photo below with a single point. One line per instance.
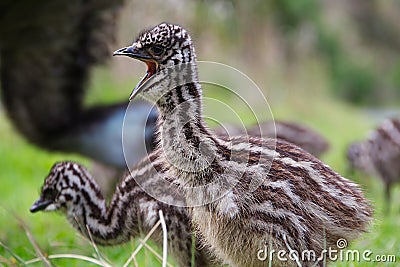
(141, 244)
(135, 262)
(95, 247)
(70, 256)
(21, 261)
(193, 250)
(165, 238)
(270, 246)
(31, 239)
(155, 253)
(5, 261)
(33, 242)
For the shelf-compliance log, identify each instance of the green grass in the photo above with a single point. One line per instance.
(23, 168)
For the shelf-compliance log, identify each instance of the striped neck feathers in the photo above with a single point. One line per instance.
(185, 142)
(81, 199)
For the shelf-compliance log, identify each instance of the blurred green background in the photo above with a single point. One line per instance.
(332, 65)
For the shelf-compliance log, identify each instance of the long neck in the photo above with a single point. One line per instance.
(188, 146)
(132, 212)
(113, 224)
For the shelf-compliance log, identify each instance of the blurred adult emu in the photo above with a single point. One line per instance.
(47, 50)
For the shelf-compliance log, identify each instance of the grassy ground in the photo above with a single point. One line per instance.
(23, 167)
(22, 170)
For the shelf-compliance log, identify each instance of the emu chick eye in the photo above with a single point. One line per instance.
(50, 193)
(156, 50)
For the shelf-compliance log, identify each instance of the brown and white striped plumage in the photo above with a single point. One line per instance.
(131, 212)
(300, 202)
(379, 154)
(292, 132)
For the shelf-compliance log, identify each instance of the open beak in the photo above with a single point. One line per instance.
(40, 204)
(135, 51)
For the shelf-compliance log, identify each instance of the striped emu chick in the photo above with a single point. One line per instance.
(131, 212)
(246, 193)
(292, 132)
(379, 154)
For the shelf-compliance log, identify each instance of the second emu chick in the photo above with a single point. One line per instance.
(71, 189)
